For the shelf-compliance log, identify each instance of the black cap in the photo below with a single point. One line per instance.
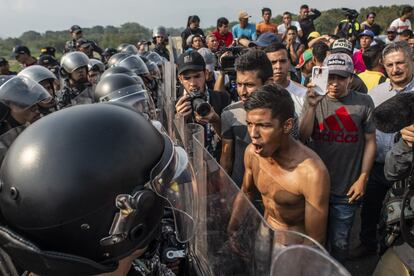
(191, 60)
(47, 60)
(3, 61)
(48, 50)
(20, 49)
(75, 29)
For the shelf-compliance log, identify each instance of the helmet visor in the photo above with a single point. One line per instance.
(176, 184)
(23, 92)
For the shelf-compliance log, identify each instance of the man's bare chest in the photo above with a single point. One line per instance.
(278, 185)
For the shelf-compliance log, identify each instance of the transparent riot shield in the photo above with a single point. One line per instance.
(303, 260)
(166, 100)
(232, 237)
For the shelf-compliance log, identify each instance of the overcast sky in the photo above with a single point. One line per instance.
(18, 16)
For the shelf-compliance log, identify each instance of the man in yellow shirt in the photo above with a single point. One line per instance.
(372, 59)
(265, 26)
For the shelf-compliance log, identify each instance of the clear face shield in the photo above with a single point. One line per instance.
(173, 179)
(135, 96)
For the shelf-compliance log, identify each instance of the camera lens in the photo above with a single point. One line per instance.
(201, 107)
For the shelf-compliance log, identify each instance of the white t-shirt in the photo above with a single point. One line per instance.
(400, 25)
(298, 94)
(281, 29)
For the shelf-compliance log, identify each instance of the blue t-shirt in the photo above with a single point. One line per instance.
(249, 31)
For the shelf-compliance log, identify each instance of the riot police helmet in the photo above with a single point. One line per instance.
(22, 92)
(123, 70)
(134, 63)
(130, 49)
(96, 65)
(72, 61)
(124, 89)
(116, 58)
(37, 73)
(79, 210)
(159, 31)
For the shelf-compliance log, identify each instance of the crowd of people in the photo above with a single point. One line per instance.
(308, 159)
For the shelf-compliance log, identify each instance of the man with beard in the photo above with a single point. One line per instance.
(253, 70)
(76, 89)
(400, 70)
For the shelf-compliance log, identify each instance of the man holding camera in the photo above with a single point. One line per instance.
(198, 104)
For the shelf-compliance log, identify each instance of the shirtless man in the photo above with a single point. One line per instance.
(291, 178)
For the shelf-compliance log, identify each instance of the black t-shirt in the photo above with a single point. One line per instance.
(186, 33)
(358, 85)
(307, 25)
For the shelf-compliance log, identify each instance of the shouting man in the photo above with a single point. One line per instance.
(291, 178)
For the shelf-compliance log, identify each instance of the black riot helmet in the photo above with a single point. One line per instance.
(101, 206)
(156, 58)
(135, 64)
(116, 58)
(96, 65)
(23, 92)
(128, 48)
(160, 31)
(37, 73)
(72, 61)
(108, 52)
(123, 70)
(125, 89)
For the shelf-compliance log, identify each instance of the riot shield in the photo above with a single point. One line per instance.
(232, 237)
(304, 260)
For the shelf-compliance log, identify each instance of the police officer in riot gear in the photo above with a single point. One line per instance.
(116, 58)
(19, 100)
(46, 79)
(125, 89)
(76, 89)
(95, 70)
(109, 193)
(107, 54)
(122, 70)
(160, 40)
(128, 48)
(77, 34)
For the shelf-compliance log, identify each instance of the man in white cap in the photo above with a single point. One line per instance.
(244, 29)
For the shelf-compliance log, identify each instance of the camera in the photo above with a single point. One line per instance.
(227, 62)
(199, 103)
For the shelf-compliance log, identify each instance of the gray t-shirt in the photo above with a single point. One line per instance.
(338, 137)
(234, 127)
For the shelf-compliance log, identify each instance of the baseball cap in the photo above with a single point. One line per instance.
(243, 14)
(313, 35)
(265, 40)
(208, 57)
(304, 57)
(190, 60)
(366, 33)
(339, 64)
(20, 49)
(75, 29)
(49, 50)
(47, 60)
(342, 45)
(3, 61)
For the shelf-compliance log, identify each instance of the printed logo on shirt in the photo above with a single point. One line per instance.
(338, 127)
